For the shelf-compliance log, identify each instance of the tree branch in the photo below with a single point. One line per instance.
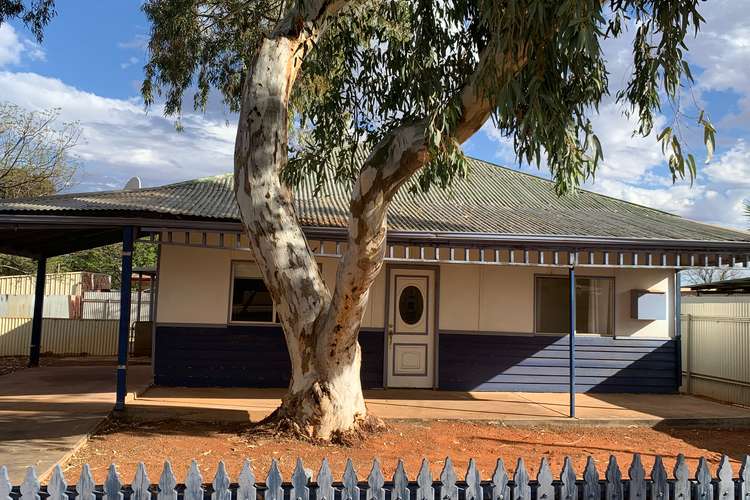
(391, 163)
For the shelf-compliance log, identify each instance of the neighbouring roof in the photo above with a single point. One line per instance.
(491, 200)
(735, 285)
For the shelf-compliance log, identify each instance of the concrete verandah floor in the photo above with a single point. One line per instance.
(508, 407)
(47, 412)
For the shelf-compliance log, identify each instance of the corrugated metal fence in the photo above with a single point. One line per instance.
(72, 324)
(94, 337)
(55, 306)
(716, 347)
(74, 283)
(92, 305)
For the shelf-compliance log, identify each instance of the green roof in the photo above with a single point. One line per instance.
(492, 200)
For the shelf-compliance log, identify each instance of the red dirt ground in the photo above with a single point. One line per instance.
(153, 442)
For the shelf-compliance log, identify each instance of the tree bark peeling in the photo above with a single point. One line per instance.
(325, 399)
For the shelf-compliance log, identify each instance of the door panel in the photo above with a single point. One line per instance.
(411, 332)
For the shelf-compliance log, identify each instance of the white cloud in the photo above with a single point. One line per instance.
(139, 41)
(626, 156)
(11, 46)
(131, 61)
(14, 48)
(716, 196)
(120, 139)
(722, 47)
(732, 168)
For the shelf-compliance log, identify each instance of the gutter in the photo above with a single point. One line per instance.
(542, 241)
(29, 222)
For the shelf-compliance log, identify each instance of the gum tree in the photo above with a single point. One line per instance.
(380, 94)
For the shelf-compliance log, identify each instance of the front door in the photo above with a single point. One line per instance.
(411, 332)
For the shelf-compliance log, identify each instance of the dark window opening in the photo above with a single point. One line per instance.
(251, 300)
(411, 305)
(594, 305)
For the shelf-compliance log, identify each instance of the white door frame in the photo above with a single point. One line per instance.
(431, 314)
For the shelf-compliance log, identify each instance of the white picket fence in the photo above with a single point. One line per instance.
(500, 486)
(716, 347)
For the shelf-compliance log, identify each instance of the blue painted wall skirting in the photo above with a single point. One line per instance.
(240, 356)
(256, 356)
(540, 364)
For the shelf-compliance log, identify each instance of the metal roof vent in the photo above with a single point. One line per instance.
(133, 184)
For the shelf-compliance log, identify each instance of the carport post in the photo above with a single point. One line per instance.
(36, 322)
(124, 331)
(572, 342)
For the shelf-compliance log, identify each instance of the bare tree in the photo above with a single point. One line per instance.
(35, 154)
(700, 276)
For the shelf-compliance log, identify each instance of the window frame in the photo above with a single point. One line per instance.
(230, 321)
(612, 305)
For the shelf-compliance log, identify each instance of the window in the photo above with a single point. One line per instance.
(411, 305)
(251, 300)
(594, 305)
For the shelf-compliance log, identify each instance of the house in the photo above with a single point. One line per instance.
(475, 295)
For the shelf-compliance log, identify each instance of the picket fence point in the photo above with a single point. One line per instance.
(5, 485)
(704, 485)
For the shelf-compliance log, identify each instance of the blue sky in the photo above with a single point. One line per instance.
(90, 66)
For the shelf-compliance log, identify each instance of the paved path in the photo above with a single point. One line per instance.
(45, 413)
(240, 404)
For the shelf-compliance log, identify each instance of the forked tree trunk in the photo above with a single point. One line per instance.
(325, 398)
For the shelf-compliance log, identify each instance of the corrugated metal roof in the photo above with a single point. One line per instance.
(490, 200)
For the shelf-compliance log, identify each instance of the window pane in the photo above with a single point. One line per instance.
(552, 305)
(594, 301)
(246, 270)
(593, 305)
(251, 301)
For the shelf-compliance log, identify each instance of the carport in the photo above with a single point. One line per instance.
(41, 240)
(46, 234)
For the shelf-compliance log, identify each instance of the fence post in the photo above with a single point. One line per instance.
(689, 355)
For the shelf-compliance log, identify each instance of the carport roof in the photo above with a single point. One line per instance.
(490, 201)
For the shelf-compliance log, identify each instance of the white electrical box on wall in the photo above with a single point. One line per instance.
(648, 306)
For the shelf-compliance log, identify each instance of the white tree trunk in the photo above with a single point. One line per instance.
(325, 398)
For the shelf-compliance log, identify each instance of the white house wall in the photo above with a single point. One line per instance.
(485, 314)
(482, 298)
(194, 286)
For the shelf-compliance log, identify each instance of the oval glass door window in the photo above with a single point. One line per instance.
(411, 305)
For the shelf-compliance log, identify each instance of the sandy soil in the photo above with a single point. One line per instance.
(153, 442)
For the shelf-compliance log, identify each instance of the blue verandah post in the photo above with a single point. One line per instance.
(35, 347)
(572, 341)
(678, 328)
(124, 330)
